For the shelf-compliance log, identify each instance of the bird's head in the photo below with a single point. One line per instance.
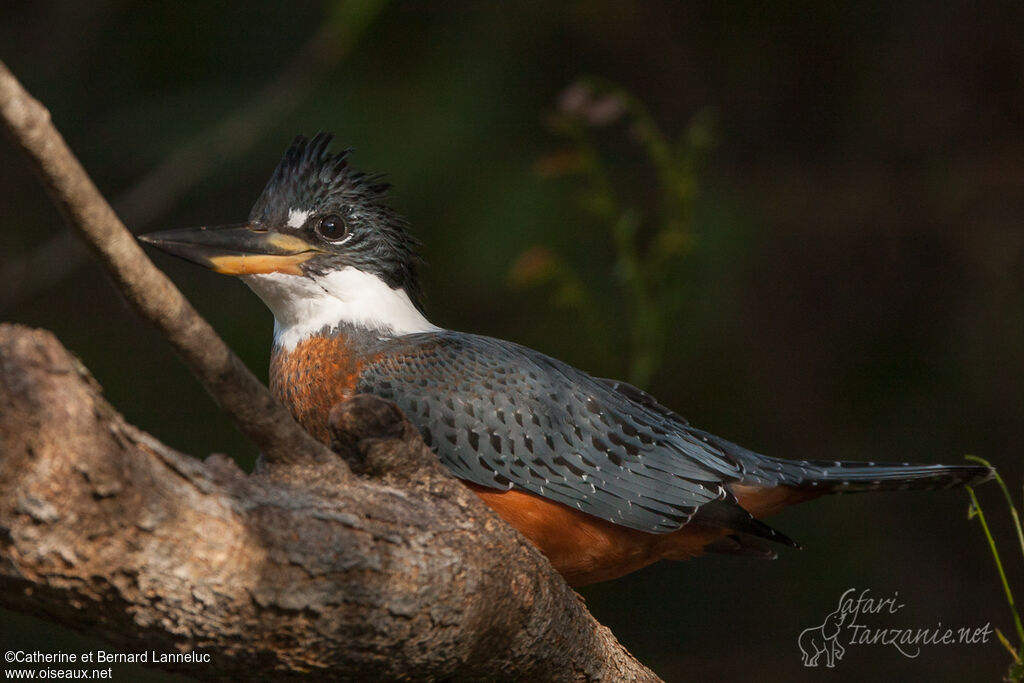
(321, 248)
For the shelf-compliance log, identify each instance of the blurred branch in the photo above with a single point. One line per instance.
(243, 397)
(281, 575)
(197, 159)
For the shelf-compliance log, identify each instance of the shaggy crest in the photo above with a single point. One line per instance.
(311, 180)
(309, 175)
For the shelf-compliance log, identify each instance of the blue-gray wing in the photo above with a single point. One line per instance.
(504, 416)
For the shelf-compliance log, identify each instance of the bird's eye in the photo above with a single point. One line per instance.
(332, 228)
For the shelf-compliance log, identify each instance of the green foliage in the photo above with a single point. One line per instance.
(652, 234)
(1016, 671)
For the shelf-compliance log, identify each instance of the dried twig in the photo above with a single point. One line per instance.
(194, 161)
(246, 401)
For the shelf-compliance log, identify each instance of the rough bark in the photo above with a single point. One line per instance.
(397, 571)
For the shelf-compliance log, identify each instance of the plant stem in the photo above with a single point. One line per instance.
(999, 563)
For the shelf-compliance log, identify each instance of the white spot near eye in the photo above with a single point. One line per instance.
(297, 217)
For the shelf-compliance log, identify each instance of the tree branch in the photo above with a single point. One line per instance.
(277, 575)
(246, 401)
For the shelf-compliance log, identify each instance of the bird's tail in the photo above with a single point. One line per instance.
(846, 476)
(853, 477)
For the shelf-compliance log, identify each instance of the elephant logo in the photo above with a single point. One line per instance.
(823, 640)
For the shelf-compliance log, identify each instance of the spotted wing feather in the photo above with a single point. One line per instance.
(504, 416)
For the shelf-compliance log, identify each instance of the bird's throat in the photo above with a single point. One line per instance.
(308, 305)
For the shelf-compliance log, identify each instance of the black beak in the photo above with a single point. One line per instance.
(236, 249)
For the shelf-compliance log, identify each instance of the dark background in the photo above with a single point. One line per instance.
(858, 268)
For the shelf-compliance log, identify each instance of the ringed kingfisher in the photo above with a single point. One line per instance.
(596, 473)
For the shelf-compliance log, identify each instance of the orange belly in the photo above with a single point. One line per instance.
(586, 549)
